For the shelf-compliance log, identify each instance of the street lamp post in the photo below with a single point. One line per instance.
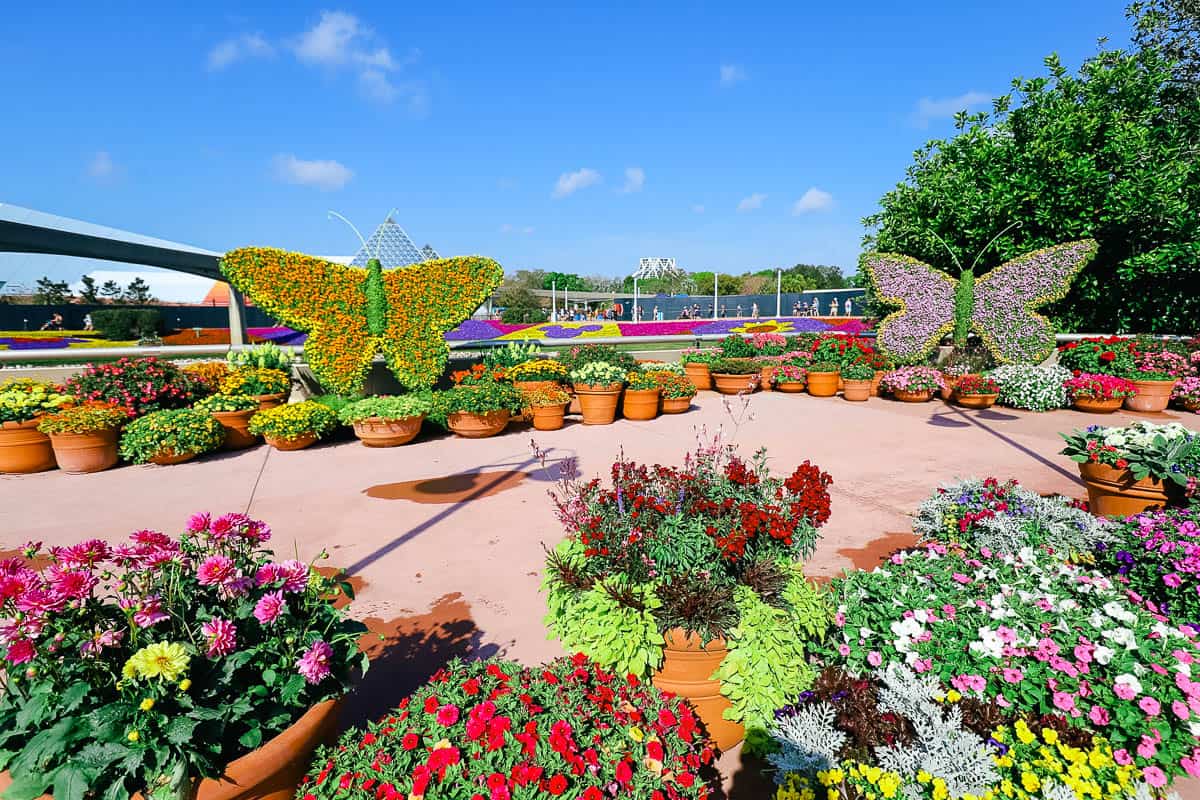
(778, 292)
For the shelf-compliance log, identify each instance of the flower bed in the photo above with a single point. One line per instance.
(1031, 388)
(499, 730)
(140, 385)
(1157, 555)
(161, 659)
(1098, 386)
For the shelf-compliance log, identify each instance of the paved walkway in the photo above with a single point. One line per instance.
(445, 535)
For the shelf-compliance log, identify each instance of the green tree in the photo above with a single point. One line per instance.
(111, 291)
(88, 292)
(565, 280)
(1172, 27)
(50, 293)
(1068, 156)
(138, 293)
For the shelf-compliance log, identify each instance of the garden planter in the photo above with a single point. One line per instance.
(699, 375)
(687, 671)
(1116, 493)
(640, 404)
(791, 387)
(266, 401)
(24, 449)
(734, 384)
(478, 426)
(1152, 396)
(976, 400)
(78, 453)
(676, 405)
(574, 407)
(1189, 405)
(549, 418)
(273, 771)
(951, 382)
(1097, 405)
(876, 381)
(379, 432)
(768, 375)
(169, 457)
(823, 384)
(299, 443)
(856, 391)
(237, 429)
(913, 397)
(598, 404)
(529, 386)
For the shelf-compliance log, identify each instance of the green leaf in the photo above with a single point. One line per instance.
(291, 689)
(180, 729)
(252, 738)
(34, 710)
(28, 787)
(74, 695)
(70, 783)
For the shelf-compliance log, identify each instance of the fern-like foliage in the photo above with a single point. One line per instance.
(808, 742)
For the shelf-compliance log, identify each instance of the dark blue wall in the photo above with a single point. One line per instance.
(12, 317)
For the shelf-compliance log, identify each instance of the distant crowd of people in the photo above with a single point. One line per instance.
(640, 313)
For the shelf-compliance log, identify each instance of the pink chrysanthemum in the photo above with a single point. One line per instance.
(295, 575)
(269, 607)
(314, 663)
(199, 522)
(215, 570)
(149, 612)
(221, 635)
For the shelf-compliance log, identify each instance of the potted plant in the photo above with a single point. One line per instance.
(140, 385)
(823, 378)
(976, 391)
(548, 406)
(1186, 393)
(962, 362)
(206, 376)
(23, 448)
(769, 349)
(691, 576)
(1031, 387)
(736, 375)
(536, 373)
(696, 363)
(268, 386)
(267, 355)
(293, 426)
(1097, 393)
(598, 386)
(386, 421)
(856, 381)
(84, 437)
(912, 384)
(233, 412)
(170, 667)
(641, 398)
(171, 436)
(881, 365)
(497, 729)
(790, 378)
(736, 345)
(477, 410)
(1138, 467)
(1153, 376)
(677, 391)
(583, 355)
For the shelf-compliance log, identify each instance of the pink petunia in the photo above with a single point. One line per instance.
(1180, 709)
(1099, 715)
(1013, 675)
(1064, 701)
(1155, 777)
(1122, 757)
(874, 658)
(1150, 706)
(844, 650)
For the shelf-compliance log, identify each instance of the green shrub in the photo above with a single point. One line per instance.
(174, 432)
(388, 408)
(127, 323)
(520, 315)
(294, 420)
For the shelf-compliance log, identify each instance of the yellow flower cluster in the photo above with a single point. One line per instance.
(873, 782)
(255, 381)
(208, 373)
(23, 402)
(795, 787)
(1033, 757)
(162, 661)
(541, 369)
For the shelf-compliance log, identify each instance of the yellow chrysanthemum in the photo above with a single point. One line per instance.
(162, 660)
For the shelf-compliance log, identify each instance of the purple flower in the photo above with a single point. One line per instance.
(314, 663)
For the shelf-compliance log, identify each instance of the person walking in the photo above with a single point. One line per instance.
(737, 312)
(833, 307)
(849, 307)
(724, 312)
(754, 310)
(87, 322)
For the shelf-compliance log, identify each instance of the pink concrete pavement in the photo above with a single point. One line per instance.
(462, 577)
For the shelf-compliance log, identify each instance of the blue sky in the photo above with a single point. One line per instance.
(545, 136)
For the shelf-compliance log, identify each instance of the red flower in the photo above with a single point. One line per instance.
(624, 772)
(557, 785)
(1107, 355)
(447, 715)
(410, 741)
(431, 704)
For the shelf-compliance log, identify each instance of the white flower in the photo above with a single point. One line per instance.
(1103, 654)
(1122, 636)
(921, 616)
(989, 644)
(1128, 680)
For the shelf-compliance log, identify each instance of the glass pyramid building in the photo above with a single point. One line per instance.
(392, 246)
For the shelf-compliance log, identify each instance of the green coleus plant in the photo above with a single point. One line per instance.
(175, 432)
(389, 407)
(858, 371)
(735, 366)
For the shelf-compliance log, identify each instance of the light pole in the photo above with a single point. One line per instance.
(635, 299)
(778, 292)
(553, 302)
(714, 294)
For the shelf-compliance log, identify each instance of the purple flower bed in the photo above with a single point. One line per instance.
(1157, 555)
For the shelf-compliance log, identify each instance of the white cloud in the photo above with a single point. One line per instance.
(237, 48)
(930, 109)
(635, 179)
(571, 182)
(377, 86)
(697, 209)
(525, 230)
(101, 166)
(752, 202)
(326, 175)
(732, 73)
(813, 200)
(331, 41)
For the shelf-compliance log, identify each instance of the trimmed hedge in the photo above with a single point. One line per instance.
(128, 323)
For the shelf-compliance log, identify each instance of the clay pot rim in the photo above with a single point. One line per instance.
(13, 425)
(388, 420)
(979, 394)
(596, 388)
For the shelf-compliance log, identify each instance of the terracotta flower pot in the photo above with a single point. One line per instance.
(913, 397)
(299, 443)
(640, 404)
(1116, 493)
(25, 449)
(1097, 405)
(266, 401)
(687, 671)
(378, 432)
(823, 384)
(470, 425)
(574, 407)
(976, 400)
(1189, 405)
(699, 375)
(549, 418)
(791, 387)
(79, 453)
(1152, 396)
(726, 383)
(768, 375)
(168, 457)
(598, 404)
(273, 771)
(947, 392)
(237, 429)
(879, 373)
(676, 405)
(857, 391)
(529, 386)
